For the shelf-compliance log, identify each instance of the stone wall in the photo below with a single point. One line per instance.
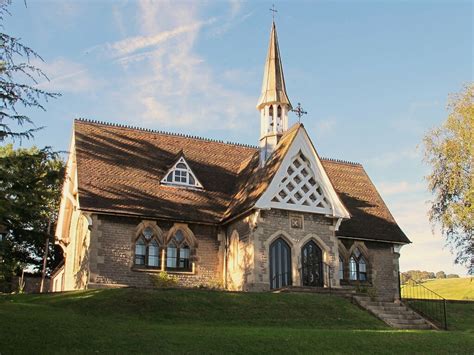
(384, 270)
(273, 224)
(112, 251)
(382, 267)
(239, 254)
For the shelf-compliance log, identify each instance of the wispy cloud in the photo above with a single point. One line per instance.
(68, 76)
(395, 188)
(428, 250)
(390, 158)
(132, 44)
(169, 84)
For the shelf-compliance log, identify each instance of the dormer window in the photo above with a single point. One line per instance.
(181, 174)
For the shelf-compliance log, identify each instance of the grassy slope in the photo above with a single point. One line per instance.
(128, 320)
(453, 289)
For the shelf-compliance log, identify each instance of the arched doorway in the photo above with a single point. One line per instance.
(312, 265)
(280, 264)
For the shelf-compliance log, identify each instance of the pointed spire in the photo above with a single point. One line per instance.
(273, 86)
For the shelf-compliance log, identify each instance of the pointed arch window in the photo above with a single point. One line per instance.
(178, 253)
(341, 268)
(147, 250)
(181, 174)
(357, 266)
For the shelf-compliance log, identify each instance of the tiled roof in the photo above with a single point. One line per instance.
(120, 168)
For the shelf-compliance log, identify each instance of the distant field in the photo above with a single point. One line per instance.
(202, 322)
(451, 289)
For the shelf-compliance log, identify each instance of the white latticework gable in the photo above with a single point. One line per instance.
(300, 187)
(182, 175)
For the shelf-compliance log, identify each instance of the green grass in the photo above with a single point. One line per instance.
(193, 321)
(451, 289)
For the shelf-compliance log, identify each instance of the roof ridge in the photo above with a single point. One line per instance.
(341, 161)
(151, 130)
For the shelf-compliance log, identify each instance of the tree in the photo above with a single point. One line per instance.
(440, 275)
(18, 77)
(449, 151)
(30, 190)
(452, 276)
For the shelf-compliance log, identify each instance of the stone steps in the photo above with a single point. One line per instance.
(394, 314)
(341, 292)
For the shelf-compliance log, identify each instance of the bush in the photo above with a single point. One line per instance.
(164, 280)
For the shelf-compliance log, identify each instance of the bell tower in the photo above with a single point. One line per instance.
(273, 104)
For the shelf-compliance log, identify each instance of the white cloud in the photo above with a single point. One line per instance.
(325, 126)
(398, 187)
(67, 76)
(391, 158)
(427, 251)
(169, 84)
(132, 44)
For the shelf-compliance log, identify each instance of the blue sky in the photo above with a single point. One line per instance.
(374, 76)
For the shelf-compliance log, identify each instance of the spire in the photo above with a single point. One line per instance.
(273, 86)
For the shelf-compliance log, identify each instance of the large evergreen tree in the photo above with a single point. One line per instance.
(18, 79)
(449, 150)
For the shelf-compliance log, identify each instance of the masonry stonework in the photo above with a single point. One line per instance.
(112, 251)
(273, 224)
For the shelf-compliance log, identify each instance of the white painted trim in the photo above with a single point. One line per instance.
(189, 171)
(69, 186)
(303, 143)
(371, 240)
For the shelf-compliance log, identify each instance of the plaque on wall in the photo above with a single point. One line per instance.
(296, 221)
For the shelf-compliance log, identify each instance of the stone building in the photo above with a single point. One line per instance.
(137, 202)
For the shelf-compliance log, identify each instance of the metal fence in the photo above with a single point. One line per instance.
(425, 301)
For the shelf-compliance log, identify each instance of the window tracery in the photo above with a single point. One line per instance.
(181, 174)
(357, 266)
(178, 253)
(147, 249)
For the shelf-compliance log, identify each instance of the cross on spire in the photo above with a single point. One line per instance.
(274, 11)
(298, 110)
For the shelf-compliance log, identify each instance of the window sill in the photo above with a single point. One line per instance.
(157, 271)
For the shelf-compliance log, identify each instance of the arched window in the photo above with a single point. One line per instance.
(270, 111)
(357, 266)
(140, 252)
(178, 253)
(341, 268)
(147, 249)
(279, 111)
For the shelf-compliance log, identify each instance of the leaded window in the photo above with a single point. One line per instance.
(181, 174)
(178, 253)
(140, 252)
(341, 268)
(147, 250)
(357, 266)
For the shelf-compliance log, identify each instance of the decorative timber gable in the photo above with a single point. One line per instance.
(301, 183)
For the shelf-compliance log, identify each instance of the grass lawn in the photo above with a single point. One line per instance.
(453, 289)
(183, 321)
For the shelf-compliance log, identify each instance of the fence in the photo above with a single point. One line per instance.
(425, 301)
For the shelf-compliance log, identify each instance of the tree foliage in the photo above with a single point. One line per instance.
(30, 190)
(420, 276)
(449, 151)
(18, 80)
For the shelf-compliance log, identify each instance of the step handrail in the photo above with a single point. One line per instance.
(416, 300)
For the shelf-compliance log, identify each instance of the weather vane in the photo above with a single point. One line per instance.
(299, 112)
(273, 10)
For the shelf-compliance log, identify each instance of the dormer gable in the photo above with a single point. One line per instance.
(181, 174)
